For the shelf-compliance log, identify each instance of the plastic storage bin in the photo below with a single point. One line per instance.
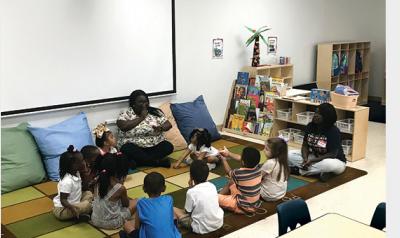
(343, 101)
(304, 117)
(284, 114)
(298, 137)
(346, 125)
(288, 134)
(347, 146)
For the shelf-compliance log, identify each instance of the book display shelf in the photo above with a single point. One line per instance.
(291, 117)
(345, 63)
(250, 106)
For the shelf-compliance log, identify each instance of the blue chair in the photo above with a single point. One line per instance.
(379, 218)
(291, 213)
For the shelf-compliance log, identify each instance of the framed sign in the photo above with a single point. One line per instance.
(217, 48)
(272, 44)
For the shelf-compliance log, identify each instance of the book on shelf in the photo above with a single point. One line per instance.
(254, 100)
(248, 126)
(242, 78)
(252, 81)
(264, 82)
(253, 90)
(237, 122)
(243, 107)
(240, 91)
(251, 114)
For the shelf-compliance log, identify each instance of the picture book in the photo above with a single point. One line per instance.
(264, 83)
(253, 90)
(276, 84)
(242, 78)
(266, 128)
(243, 107)
(254, 100)
(251, 114)
(252, 81)
(237, 122)
(248, 127)
(240, 92)
(320, 95)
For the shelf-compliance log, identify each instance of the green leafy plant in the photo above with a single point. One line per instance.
(257, 34)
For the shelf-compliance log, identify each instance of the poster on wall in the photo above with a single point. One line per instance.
(217, 48)
(272, 44)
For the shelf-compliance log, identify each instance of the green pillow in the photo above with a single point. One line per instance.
(21, 164)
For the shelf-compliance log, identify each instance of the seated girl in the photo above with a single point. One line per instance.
(111, 205)
(105, 139)
(199, 149)
(70, 202)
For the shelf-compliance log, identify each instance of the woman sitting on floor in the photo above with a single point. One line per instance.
(322, 151)
(141, 132)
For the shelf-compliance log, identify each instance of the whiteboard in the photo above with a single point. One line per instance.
(62, 53)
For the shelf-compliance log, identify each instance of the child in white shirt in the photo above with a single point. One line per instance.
(202, 213)
(199, 149)
(70, 201)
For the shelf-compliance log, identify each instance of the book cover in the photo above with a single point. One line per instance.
(251, 114)
(253, 90)
(240, 92)
(276, 84)
(237, 122)
(320, 95)
(264, 83)
(248, 127)
(252, 81)
(242, 78)
(254, 100)
(243, 107)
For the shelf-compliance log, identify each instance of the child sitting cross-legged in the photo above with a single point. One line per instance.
(203, 214)
(70, 202)
(154, 216)
(199, 149)
(242, 193)
(111, 205)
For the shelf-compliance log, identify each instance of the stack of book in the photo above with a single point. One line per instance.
(252, 103)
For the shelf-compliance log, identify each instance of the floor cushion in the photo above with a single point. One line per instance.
(173, 135)
(54, 140)
(21, 164)
(191, 115)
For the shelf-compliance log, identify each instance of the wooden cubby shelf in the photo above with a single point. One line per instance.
(358, 113)
(357, 80)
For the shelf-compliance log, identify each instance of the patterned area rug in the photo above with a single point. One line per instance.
(27, 212)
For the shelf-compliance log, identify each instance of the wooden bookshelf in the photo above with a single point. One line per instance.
(354, 79)
(358, 113)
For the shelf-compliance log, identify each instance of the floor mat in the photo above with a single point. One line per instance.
(28, 213)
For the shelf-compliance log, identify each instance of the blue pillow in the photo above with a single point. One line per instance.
(191, 115)
(54, 140)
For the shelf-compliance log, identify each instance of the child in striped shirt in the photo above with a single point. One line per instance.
(242, 194)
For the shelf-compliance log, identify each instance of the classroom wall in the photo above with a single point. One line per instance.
(299, 25)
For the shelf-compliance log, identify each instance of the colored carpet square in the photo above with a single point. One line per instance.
(219, 144)
(20, 195)
(308, 179)
(138, 192)
(168, 172)
(25, 210)
(48, 188)
(134, 180)
(294, 183)
(110, 232)
(38, 225)
(176, 155)
(220, 182)
(183, 179)
(179, 198)
(79, 230)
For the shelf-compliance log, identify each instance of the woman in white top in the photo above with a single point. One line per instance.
(199, 149)
(275, 171)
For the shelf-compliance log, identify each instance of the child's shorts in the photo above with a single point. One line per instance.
(186, 221)
(229, 202)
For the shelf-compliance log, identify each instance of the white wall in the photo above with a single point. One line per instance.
(299, 25)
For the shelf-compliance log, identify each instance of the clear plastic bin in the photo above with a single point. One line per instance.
(346, 125)
(284, 114)
(347, 146)
(288, 134)
(304, 117)
(298, 137)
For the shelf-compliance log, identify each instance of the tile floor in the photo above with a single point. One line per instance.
(356, 200)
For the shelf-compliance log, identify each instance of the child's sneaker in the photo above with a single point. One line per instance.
(188, 160)
(211, 166)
